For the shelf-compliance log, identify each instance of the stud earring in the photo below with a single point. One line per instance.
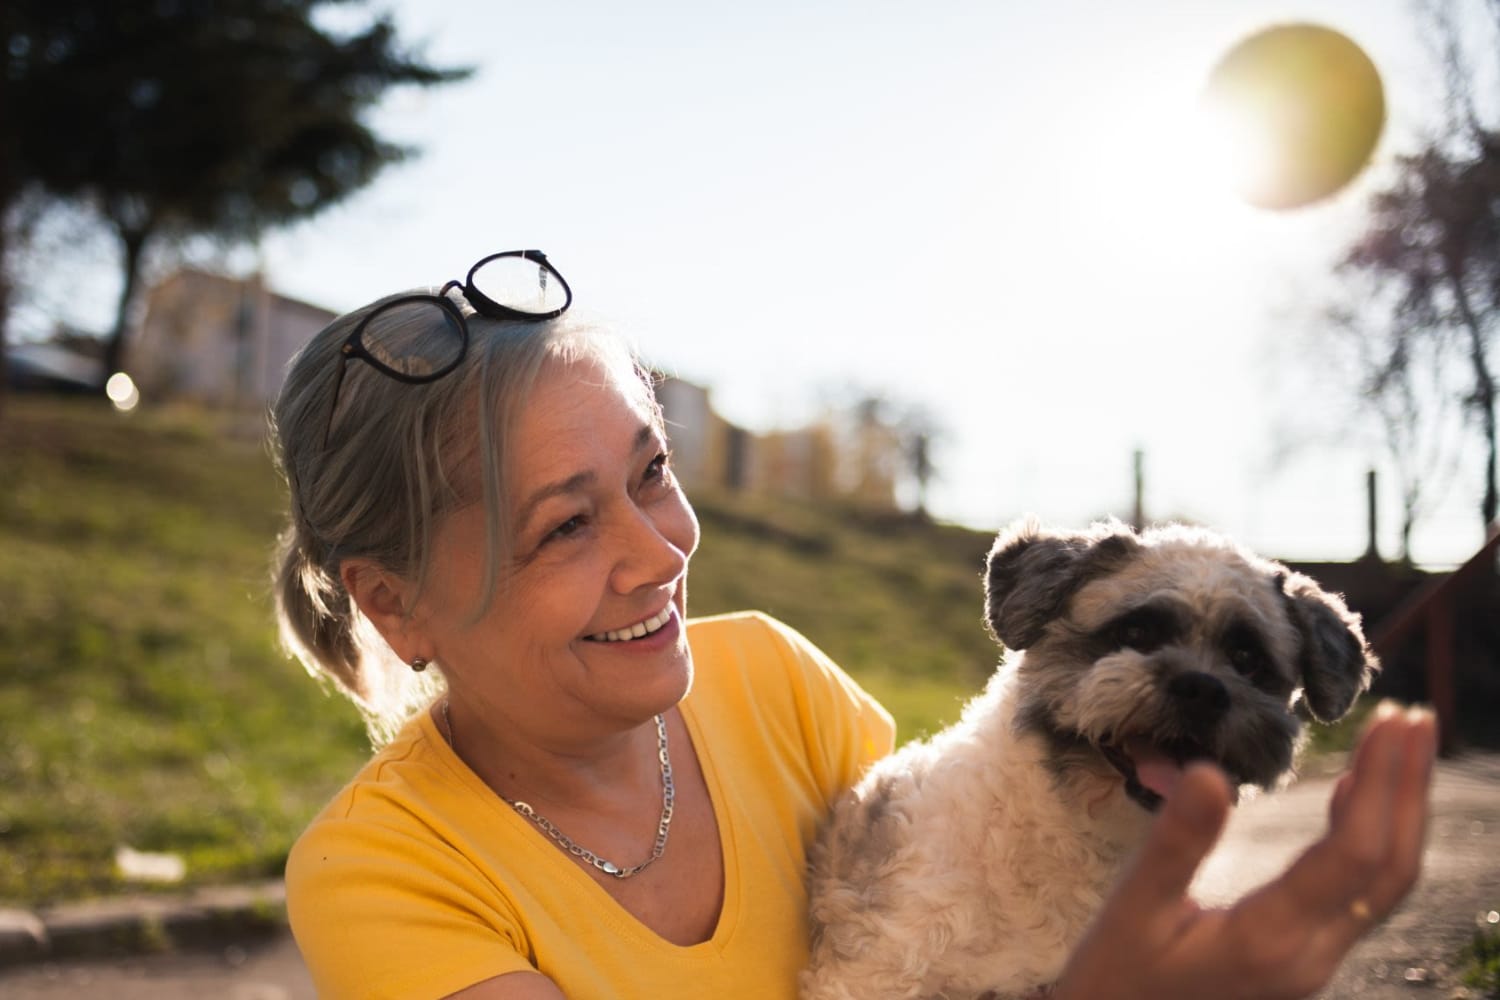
(419, 664)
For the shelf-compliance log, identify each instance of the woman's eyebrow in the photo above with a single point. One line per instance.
(575, 483)
(645, 436)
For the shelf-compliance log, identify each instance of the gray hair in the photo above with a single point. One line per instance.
(399, 457)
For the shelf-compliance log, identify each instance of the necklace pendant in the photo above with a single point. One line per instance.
(610, 868)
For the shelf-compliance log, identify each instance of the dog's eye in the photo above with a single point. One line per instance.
(1246, 654)
(1142, 631)
(1247, 661)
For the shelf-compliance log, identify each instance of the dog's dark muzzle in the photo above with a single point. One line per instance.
(1202, 698)
(1150, 766)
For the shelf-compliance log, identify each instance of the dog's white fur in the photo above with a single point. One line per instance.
(993, 875)
(969, 865)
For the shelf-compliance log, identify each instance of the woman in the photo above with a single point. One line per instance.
(600, 799)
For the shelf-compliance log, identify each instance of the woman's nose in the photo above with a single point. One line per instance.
(653, 550)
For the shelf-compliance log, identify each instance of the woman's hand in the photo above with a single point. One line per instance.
(1286, 939)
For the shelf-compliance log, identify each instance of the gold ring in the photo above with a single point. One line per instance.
(1359, 910)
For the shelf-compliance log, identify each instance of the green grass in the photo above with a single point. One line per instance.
(143, 699)
(1479, 962)
(897, 602)
(1340, 737)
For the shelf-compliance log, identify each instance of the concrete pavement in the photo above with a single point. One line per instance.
(256, 970)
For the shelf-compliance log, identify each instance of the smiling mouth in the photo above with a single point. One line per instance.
(636, 631)
(1151, 770)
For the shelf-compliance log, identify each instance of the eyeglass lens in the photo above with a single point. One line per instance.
(405, 339)
(520, 284)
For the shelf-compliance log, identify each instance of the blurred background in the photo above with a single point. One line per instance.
(908, 272)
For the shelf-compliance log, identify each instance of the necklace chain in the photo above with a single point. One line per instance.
(663, 825)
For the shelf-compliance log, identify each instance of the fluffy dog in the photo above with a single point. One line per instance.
(970, 865)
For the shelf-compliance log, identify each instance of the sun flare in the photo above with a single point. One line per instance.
(1231, 148)
(1292, 114)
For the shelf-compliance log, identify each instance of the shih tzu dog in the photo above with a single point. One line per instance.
(970, 864)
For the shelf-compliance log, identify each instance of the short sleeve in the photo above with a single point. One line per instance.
(378, 912)
(845, 729)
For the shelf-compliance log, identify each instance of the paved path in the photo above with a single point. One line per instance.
(1407, 958)
(269, 970)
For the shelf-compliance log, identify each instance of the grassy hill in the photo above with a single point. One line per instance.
(143, 699)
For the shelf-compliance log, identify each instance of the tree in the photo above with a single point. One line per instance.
(1411, 398)
(1433, 247)
(892, 445)
(192, 117)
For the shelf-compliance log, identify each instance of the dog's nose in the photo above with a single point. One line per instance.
(1200, 692)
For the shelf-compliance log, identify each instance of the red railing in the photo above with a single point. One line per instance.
(1432, 609)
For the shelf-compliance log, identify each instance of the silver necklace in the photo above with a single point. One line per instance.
(663, 826)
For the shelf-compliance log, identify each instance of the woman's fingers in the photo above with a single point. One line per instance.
(1131, 948)
(1418, 758)
(1181, 837)
(1397, 870)
(1288, 938)
(1296, 930)
(1408, 817)
(1340, 800)
(1368, 861)
(1385, 823)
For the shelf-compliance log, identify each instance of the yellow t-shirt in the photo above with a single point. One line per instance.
(417, 880)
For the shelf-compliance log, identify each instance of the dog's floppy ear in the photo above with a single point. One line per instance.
(1031, 573)
(1335, 662)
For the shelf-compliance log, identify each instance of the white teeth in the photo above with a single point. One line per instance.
(637, 630)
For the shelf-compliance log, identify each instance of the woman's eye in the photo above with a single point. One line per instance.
(571, 526)
(658, 468)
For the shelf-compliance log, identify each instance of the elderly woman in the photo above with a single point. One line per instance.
(600, 798)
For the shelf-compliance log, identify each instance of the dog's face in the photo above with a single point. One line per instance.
(1153, 650)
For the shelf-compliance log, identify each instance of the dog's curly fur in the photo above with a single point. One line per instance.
(969, 865)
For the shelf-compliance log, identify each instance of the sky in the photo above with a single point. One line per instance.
(991, 210)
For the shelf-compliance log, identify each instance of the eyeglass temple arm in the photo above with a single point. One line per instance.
(338, 383)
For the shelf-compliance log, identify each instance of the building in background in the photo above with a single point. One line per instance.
(701, 454)
(822, 461)
(68, 361)
(219, 341)
(225, 342)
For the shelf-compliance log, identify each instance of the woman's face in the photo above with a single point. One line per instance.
(586, 623)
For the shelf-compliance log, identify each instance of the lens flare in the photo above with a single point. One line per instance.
(1293, 114)
(122, 392)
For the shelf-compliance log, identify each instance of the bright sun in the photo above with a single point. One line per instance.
(1232, 151)
(1189, 175)
(1285, 119)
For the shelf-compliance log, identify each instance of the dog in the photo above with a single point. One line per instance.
(969, 865)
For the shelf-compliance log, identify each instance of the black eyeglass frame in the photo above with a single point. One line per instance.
(354, 346)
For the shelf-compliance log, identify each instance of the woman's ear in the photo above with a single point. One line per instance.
(382, 597)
